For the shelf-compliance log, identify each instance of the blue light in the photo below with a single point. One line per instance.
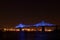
(20, 25)
(43, 23)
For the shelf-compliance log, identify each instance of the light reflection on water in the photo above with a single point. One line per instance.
(29, 36)
(21, 36)
(41, 36)
(33, 36)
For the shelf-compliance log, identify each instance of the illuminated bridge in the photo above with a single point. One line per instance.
(41, 26)
(42, 23)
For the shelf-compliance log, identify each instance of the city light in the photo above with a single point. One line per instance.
(17, 29)
(48, 30)
(36, 27)
(11, 29)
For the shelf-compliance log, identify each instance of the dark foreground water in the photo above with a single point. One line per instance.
(29, 36)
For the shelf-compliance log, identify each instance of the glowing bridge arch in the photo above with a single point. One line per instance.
(42, 23)
(20, 25)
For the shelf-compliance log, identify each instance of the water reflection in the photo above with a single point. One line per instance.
(33, 36)
(21, 36)
(29, 36)
(41, 36)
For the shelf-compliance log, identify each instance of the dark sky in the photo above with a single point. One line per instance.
(29, 12)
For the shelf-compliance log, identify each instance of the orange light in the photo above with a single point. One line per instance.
(48, 30)
(5, 29)
(23, 29)
(40, 30)
(28, 30)
(33, 30)
(17, 29)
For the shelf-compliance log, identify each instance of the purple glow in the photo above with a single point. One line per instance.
(42, 23)
(20, 25)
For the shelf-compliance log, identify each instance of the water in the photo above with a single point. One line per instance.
(29, 36)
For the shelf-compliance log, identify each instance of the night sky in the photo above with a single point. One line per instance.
(28, 12)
